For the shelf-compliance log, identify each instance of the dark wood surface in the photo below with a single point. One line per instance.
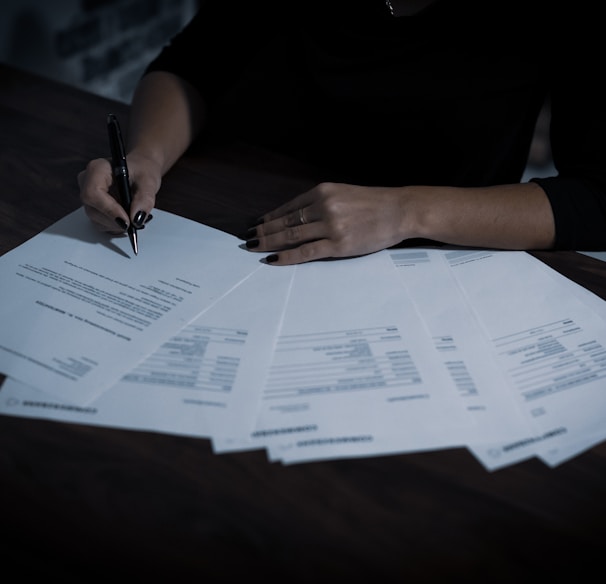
(96, 504)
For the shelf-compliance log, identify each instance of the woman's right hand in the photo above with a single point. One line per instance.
(101, 201)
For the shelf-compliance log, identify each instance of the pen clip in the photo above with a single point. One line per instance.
(116, 143)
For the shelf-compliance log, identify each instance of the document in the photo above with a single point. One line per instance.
(78, 311)
(558, 453)
(354, 365)
(403, 350)
(458, 347)
(203, 382)
(549, 343)
(592, 431)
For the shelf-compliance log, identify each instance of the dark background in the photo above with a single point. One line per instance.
(102, 46)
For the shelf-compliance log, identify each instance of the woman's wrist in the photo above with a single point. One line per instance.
(147, 162)
(415, 217)
(514, 216)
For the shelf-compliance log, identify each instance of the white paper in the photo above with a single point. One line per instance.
(460, 346)
(460, 349)
(354, 366)
(78, 311)
(398, 351)
(548, 342)
(202, 382)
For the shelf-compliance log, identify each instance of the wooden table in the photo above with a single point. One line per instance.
(98, 504)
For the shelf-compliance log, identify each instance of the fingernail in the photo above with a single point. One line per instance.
(121, 223)
(270, 259)
(252, 232)
(149, 218)
(256, 222)
(252, 243)
(139, 219)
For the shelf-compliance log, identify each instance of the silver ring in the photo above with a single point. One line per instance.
(302, 220)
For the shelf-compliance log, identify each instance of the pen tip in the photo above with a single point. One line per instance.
(132, 234)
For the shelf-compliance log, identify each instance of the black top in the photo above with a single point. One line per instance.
(449, 96)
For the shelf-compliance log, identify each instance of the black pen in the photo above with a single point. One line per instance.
(121, 177)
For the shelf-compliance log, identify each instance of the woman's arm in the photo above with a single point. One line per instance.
(340, 220)
(166, 115)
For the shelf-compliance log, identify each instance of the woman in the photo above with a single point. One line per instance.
(423, 111)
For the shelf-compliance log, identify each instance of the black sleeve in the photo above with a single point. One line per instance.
(578, 135)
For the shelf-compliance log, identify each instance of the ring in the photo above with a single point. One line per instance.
(302, 220)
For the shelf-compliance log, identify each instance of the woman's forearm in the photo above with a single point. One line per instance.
(166, 115)
(516, 216)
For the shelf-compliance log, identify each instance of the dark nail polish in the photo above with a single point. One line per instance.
(139, 219)
(270, 259)
(252, 243)
(121, 223)
(256, 222)
(149, 218)
(252, 232)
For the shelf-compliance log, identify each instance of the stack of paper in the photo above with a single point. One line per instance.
(399, 351)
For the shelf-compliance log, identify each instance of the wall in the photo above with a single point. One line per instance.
(98, 45)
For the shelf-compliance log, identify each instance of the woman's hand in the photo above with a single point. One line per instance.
(331, 220)
(101, 201)
(340, 220)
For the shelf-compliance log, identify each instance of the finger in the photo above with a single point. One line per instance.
(302, 218)
(290, 207)
(102, 204)
(107, 217)
(103, 223)
(144, 193)
(95, 184)
(299, 217)
(307, 252)
(286, 237)
(295, 218)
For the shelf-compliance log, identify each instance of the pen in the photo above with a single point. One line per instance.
(120, 171)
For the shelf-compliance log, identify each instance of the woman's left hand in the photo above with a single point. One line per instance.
(332, 220)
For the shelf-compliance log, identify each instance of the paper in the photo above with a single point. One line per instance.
(399, 351)
(78, 311)
(203, 382)
(354, 366)
(458, 349)
(547, 340)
